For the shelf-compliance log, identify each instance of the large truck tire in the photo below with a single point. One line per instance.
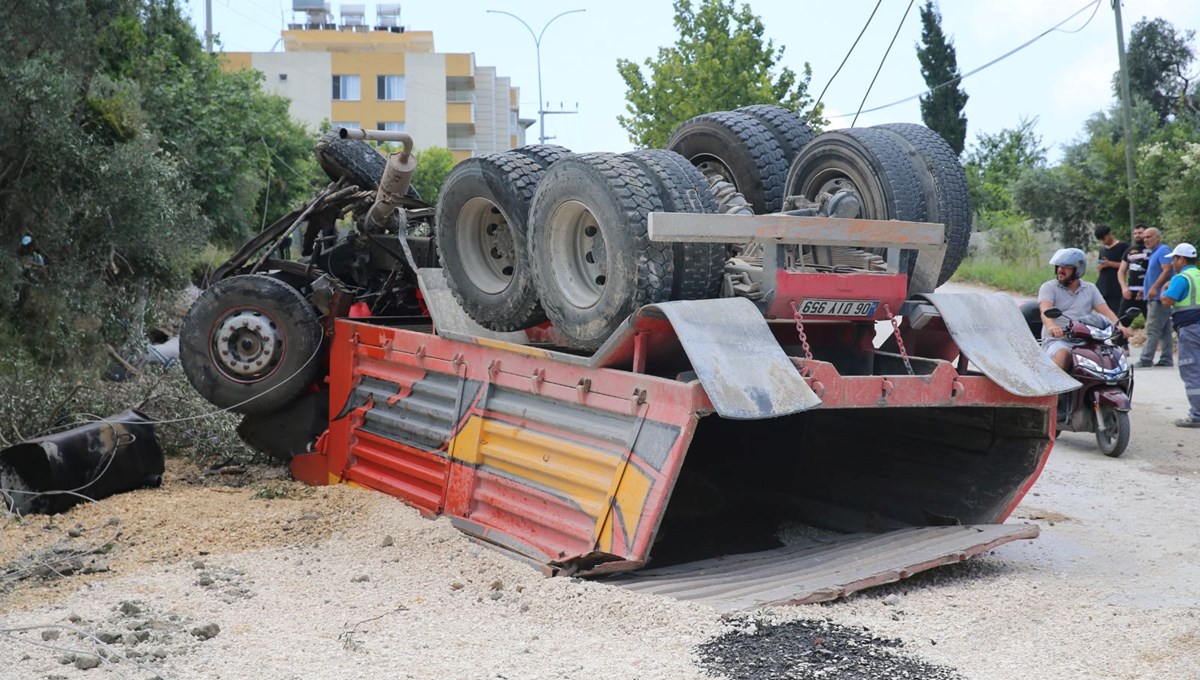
(353, 159)
(699, 267)
(950, 203)
(741, 150)
(873, 165)
(592, 258)
(790, 130)
(482, 213)
(544, 154)
(249, 344)
(360, 163)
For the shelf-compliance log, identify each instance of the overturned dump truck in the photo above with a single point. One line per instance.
(665, 361)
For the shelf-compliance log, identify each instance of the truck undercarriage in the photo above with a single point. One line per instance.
(618, 365)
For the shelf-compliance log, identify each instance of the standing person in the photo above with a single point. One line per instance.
(1132, 273)
(1183, 297)
(1158, 318)
(1112, 253)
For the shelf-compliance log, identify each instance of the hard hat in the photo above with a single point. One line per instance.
(1071, 257)
(26, 240)
(1184, 250)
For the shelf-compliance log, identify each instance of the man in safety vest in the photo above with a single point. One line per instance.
(1183, 297)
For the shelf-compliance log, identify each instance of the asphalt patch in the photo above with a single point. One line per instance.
(813, 649)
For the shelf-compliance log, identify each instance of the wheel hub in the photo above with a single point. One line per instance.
(247, 344)
(487, 247)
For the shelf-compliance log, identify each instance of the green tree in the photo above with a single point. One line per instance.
(941, 109)
(719, 62)
(996, 161)
(1157, 60)
(122, 145)
(1057, 198)
(433, 164)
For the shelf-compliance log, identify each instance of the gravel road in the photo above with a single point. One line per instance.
(207, 579)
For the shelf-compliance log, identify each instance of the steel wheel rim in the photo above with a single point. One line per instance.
(487, 247)
(247, 345)
(578, 257)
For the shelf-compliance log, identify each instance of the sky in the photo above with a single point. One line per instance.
(1061, 80)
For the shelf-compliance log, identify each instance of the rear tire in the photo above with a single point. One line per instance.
(544, 154)
(950, 203)
(592, 259)
(789, 128)
(353, 159)
(699, 267)
(482, 213)
(870, 163)
(740, 149)
(1112, 431)
(248, 344)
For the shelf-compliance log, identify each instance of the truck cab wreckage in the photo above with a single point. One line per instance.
(577, 367)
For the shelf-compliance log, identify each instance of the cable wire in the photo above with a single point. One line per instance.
(972, 72)
(848, 53)
(881, 61)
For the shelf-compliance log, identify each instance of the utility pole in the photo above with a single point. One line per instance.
(1125, 110)
(537, 43)
(208, 26)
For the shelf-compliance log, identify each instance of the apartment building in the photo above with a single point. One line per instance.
(375, 74)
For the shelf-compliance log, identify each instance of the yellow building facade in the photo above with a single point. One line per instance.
(391, 79)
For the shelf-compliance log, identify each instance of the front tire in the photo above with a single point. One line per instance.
(592, 258)
(249, 344)
(1112, 431)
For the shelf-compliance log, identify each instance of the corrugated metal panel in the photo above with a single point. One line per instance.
(422, 419)
(816, 572)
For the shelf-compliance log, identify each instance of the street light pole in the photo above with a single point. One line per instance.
(537, 43)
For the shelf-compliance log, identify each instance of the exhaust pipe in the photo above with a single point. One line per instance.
(397, 175)
(51, 474)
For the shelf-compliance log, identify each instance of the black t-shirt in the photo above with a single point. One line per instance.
(1135, 271)
(1107, 280)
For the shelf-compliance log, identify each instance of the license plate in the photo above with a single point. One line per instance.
(818, 307)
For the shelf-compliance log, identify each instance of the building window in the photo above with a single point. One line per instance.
(346, 88)
(390, 127)
(345, 124)
(389, 88)
(282, 77)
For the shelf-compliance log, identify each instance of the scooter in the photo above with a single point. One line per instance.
(1102, 403)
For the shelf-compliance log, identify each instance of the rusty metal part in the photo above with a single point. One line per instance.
(397, 176)
(52, 473)
(779, 228)
(800, 331)
(899, 338)
(990, 331)
(404, 138)
(334, 195)
(803, 574)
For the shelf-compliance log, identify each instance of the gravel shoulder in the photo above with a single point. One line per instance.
(226, 576)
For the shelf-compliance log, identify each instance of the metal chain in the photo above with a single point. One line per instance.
(899, 340)
(800, 331)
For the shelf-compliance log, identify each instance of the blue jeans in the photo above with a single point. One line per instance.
(1158, 330)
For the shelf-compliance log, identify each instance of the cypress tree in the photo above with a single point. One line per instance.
(942, 109)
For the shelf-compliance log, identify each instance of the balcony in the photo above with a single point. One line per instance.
(460, 113)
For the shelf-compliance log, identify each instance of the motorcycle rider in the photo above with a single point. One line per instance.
(1074, 297)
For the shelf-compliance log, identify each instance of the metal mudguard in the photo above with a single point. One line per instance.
(990, 331)
(731, 348)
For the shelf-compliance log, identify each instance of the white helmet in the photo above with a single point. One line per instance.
(1070, 257)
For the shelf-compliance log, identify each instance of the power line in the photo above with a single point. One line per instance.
(847, 57)
(885, 56)
(998, 59)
